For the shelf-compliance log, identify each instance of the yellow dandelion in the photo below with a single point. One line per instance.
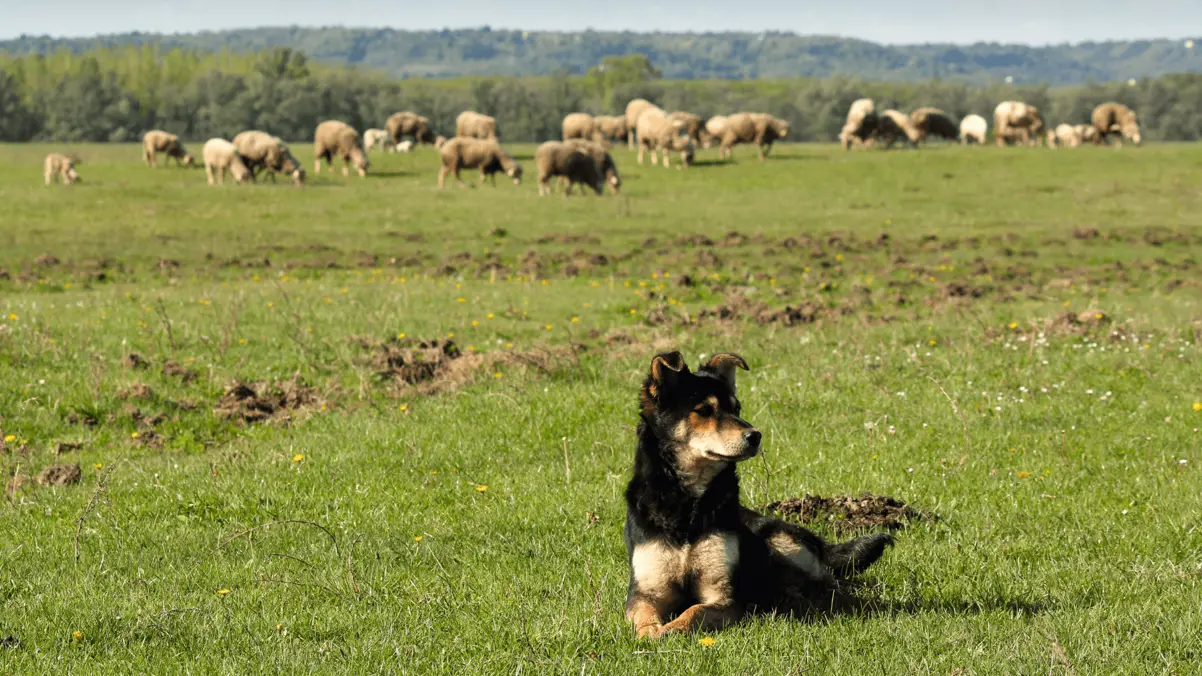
(1014, 325)
(451, 335)
(279, 628)
(1198, 405)
(417, 538)
(461, 299)
(400, 336)
(133, 435)
(269, 304)
(498, 375)
(490, 315)
(327, 299)
(481, 488)
(77, 636)
(298, 457)
(1023, 475)
(634, 311)
(931, 341)
(508, 345)
(707, 641)
(575, 320)
(99, 465)
(223, 592)
(345, 290)
(9, 438)
(547, 327)
(403, 407)
(475, 322)
(12, 318)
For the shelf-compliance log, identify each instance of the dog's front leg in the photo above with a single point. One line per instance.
(703, 616)
(645, 617)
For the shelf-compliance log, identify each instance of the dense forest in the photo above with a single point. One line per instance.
(679, 56)
(115, 94)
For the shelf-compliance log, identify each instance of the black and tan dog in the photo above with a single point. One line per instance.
(698, 559)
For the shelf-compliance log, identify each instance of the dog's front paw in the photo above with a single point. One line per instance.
(651, 631)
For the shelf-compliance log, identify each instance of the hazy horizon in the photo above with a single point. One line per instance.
(940, 21)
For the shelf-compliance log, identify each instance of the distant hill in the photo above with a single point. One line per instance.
(450, 53)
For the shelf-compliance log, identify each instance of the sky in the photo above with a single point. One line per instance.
(1035, 22)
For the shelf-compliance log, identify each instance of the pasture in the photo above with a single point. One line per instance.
(1005, 339)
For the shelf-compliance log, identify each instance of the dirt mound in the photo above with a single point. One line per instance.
(175, 370)
(67, 447)
(59, 475)
(136, 391)
(46, 260)
(249, 403)
(846, 514)
(133, 360)
(739, 306)
(439, 365)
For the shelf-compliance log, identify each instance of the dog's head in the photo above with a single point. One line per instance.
(696, 415)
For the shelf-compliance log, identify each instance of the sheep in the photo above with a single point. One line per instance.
(406, 146)
(1064, 136)
(612, 127)
(633, 110)
(1088, 132)
(758, 128)
(471, 124)
(568, 161)
(656, 132)
(338, 138)
(157, 141)
(714, 128)
(58, 167)
(376, 137)
(932, 121)
(1016, 121)
(219, 156)
(406, 123)
(468, 153)
(260, 150)
(973, 129)
(581, 125)
(893, 124)
(1115, 118)
(861, 124)
(605, 162)
(691, 125)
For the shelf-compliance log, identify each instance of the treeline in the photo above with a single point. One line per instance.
(116, 94)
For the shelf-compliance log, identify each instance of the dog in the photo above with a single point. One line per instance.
(698, 558)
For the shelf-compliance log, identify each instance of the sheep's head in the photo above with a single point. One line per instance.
(514, 170)
(1131, 132)
(781, 127)
(359, 160)
(298, 177)
(188, 160)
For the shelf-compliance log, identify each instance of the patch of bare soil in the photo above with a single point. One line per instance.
(176, 370)
(59, 475)
(136, 391)
(133, 360)
(433, 366)
(738, 306)
(46, 260)
(67, 447)
(846, 514)
(248, 403)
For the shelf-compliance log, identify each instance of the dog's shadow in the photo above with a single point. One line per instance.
(852, 599)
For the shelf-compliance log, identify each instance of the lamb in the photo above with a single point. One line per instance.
(157, 141)
(758, 128)
(861, 124)
(219, 156)
(1065, 135)
(58, 167)
(407, 146)
(338, 138)
(656, 132)
(566, 160)
(468, 153)
(605, 162)
(973, 129)
(471, 124)
(260, 150)
(376, 137)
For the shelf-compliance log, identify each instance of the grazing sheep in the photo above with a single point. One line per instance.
(468, 153)
(1064, 136)
(581, 125)
(406, 123)
(893, 125)
(1115, 118)
(59, 167)
(932, 121)
(634, 109)
(1015, 121)
(262, 151)
(761, 129)
(691, 125)
(376, 137)
(656, 132)
(973, 129)
(568, 161)
(861, 124)
(338, 138)
(219, 156)
(157, 141)
(471, 124)
(1088, 133)
(406, 146)
(612, 127)
(714, 128)
(605, 162)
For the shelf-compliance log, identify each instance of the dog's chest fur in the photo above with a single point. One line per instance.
(702, 570)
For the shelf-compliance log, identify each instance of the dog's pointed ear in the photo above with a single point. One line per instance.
(723, 365)
(665, 369)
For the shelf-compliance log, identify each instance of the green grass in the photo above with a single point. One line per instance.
(1061, 457)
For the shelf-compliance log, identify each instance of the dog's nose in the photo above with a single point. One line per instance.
(752, 437)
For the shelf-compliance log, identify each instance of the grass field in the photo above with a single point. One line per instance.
(1005, 339)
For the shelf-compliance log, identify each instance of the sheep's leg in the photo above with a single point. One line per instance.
(641, 149)
(209, 173)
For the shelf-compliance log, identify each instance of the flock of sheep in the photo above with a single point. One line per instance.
(1013, 122)
(582, 157)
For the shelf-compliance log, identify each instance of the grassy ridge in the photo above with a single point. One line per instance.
(1006, 338)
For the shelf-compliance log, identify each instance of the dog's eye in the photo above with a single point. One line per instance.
(705, 410)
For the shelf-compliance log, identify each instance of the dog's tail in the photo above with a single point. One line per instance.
(854, 556)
